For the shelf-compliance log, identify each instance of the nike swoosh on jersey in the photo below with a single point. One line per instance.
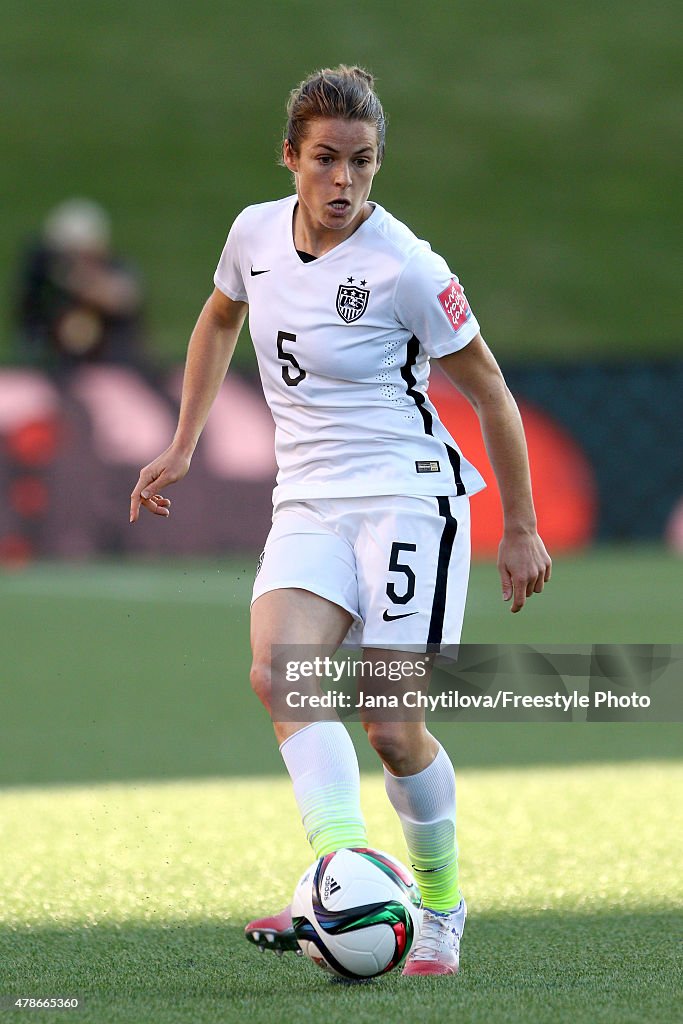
(255, 273)
(390, 618)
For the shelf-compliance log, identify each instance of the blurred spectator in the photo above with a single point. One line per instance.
(77, 301)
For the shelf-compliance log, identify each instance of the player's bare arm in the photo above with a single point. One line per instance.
(209, 353)
(523, 562)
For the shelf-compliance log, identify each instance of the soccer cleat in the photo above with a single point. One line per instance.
(437, 948)
(274, 933)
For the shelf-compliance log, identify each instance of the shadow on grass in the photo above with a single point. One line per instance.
(552, 966)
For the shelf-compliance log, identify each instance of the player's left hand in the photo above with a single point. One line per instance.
(524, 566)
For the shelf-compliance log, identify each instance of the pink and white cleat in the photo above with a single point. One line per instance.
(437, 948)
(275, 933)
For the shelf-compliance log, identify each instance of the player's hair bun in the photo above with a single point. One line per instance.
(361, 73)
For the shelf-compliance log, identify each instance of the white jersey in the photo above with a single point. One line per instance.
(343, 345)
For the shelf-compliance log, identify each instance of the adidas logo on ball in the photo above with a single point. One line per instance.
(330, 887)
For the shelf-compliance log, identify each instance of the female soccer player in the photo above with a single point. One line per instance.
(370, 535)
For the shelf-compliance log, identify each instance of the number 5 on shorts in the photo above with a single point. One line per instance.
(396, 566)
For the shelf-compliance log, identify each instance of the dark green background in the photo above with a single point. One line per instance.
(533, 144)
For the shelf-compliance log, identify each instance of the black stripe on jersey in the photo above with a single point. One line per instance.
(450, 529)
(413, 350)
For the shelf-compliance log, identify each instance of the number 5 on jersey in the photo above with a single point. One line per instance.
(290, 378)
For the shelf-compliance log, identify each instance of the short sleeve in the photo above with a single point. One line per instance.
(228, 277)
(430, 302)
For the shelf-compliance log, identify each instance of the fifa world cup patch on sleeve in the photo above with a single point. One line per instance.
(455, 305)
(427, 466)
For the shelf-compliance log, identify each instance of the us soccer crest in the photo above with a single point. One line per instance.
(352, 302)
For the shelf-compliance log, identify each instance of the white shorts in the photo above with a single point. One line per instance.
(398, 564)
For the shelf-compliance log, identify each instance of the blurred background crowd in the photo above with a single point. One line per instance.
(541, 161)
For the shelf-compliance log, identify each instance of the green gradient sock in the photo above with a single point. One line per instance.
(425, 804)
(322, 763)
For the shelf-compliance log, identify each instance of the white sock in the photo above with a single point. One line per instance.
(322, 763)
(425, 804)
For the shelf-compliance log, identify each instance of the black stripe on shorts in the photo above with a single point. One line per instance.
(450, 529)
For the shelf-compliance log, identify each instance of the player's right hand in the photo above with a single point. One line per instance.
(168, 468)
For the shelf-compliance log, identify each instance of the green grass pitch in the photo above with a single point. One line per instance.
(145, 815)
(133, 898)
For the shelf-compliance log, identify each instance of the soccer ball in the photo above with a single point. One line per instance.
(356, 913)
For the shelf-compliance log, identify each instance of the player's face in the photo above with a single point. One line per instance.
(334, 169)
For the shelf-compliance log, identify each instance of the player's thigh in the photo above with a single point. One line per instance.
(304, 601)
(413, 557)
(290, 629)
(295, 616)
